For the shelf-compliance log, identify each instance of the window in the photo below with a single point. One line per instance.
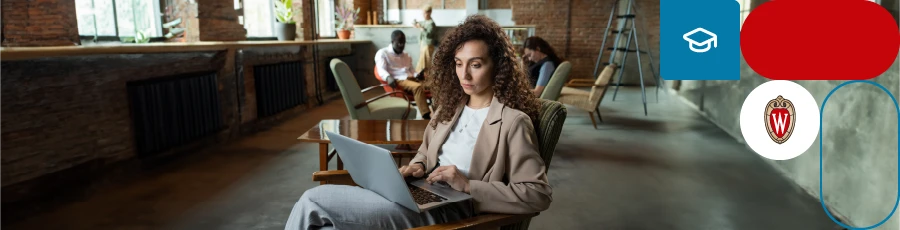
(326, 18)
(745, 10)
(118, 18)
(259, 17)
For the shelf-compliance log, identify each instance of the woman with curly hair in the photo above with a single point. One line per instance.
(480, 141)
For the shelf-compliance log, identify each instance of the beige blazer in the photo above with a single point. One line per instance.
(507, 174)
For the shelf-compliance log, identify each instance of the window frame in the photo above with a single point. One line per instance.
(745, 7)
(271, 13)
(157, 17)
(319, 18)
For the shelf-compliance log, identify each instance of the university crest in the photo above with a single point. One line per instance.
(780, 119)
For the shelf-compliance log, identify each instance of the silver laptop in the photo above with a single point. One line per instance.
(373, 168)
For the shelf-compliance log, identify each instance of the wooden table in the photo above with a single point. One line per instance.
(367, 131)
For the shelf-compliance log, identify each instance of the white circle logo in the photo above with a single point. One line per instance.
(780, 120)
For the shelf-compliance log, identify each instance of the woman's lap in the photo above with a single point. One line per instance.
(350, 207)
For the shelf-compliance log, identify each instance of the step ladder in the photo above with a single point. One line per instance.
(630, 17)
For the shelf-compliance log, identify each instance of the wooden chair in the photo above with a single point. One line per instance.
(548, 127)
(380, 107)
(588, 101)
(408, 96)
(554, 87)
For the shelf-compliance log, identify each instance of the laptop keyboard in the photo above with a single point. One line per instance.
(422, 196)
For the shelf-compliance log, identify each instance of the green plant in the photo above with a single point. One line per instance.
(346, 16)
(283, 11)
(142, 36)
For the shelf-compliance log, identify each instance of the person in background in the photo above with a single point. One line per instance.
(426, 40)
(545, 60)
(395, 67)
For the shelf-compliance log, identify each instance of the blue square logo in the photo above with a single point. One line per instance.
(700, 40)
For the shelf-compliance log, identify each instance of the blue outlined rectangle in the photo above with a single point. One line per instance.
(699, 40)
(821, 157)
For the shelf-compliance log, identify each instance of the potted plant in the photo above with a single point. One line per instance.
(285, 29)
(345, 16)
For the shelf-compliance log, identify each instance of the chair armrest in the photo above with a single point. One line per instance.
(408, 103)
(331, 175)
(339, 177)
(584, 85)
(372, 87)
(365, 103)
(581, 83)
(580, 80)
(484, 221)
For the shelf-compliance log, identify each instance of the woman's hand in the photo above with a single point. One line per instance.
(452, 176)
(414, 170)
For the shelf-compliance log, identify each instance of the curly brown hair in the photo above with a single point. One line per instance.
(511, 85)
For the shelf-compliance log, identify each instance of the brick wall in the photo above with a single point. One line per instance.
(218, 21)
(377, 6)
(1, 23)
(578, 42)
(418, 4)
(186, 10)
(364, 8)
(302, 11)
(67, 123)
(39, 23)
(62, 112)
(455, 4)
(499, 4)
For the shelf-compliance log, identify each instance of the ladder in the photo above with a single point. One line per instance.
(633, 32)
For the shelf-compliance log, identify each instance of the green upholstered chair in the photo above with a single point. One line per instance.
(381, 107)
(554, 87)
(548, 127)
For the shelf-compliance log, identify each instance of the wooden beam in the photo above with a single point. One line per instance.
(24, 53)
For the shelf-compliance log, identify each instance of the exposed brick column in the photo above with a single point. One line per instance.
(551, 21)
(39, 23)
(364, 8)
(302, 12)
(187, 11)
(499, 4)
(218, 21)
(1, 22)
(377, 7)
(580, 43)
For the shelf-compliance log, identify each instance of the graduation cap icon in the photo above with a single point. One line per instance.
(710, 38)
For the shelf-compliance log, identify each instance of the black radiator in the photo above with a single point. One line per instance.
(330, 81)
(173, 111)
(279, 87)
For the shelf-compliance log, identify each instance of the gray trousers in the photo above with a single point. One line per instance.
(351, 207)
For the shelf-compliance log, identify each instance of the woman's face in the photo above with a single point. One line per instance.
(474, 67)
(533, 55)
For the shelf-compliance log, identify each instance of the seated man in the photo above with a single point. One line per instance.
(396, 67)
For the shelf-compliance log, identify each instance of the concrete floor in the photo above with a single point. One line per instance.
(670, 170)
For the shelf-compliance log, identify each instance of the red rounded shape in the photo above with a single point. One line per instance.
(820, 40)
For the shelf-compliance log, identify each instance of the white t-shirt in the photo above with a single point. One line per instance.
(460, 144)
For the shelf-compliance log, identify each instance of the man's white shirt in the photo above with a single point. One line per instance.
(389, 63)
